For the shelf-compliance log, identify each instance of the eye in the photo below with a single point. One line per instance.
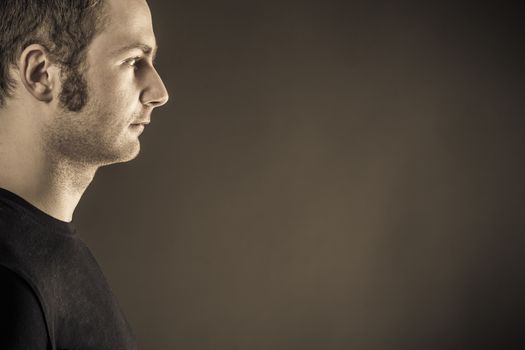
(133, 62)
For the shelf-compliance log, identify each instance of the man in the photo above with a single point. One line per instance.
(77, 88)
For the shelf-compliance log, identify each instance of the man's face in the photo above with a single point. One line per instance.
(123, 87)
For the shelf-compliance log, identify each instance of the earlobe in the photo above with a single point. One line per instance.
(35, 72)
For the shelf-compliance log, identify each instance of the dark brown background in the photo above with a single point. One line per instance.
(327, 175)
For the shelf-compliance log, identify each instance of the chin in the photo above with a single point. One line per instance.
(131, 154)
(123, 155)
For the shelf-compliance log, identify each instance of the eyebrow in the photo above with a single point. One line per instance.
(146, 49)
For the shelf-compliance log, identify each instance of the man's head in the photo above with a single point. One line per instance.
(64, 28)
(87, 67)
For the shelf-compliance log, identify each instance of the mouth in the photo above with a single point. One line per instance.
(138, 127)
(143, 123)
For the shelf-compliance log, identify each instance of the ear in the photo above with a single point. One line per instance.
(37, 72)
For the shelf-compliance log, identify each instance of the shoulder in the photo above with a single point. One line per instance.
(13, 285)
(22, 317)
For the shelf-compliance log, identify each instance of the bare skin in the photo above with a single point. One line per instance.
(49, 155)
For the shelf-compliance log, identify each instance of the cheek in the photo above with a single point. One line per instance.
(120, 92)
(116, 95)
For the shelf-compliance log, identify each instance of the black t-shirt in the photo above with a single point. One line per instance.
(53, 295)
(22, 323)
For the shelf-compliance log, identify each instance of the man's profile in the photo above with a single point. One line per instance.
(77, 87)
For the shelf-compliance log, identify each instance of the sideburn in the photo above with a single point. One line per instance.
(74, 94)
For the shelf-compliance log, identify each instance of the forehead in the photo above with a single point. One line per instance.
(127, 22)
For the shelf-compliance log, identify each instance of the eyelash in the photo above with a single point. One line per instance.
(132, 62)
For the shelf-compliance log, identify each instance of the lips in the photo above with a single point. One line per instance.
(143, 118)
(144, 123)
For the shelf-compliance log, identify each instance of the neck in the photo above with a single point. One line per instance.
(53, 185)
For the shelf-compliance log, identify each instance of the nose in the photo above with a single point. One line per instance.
(154, 94)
